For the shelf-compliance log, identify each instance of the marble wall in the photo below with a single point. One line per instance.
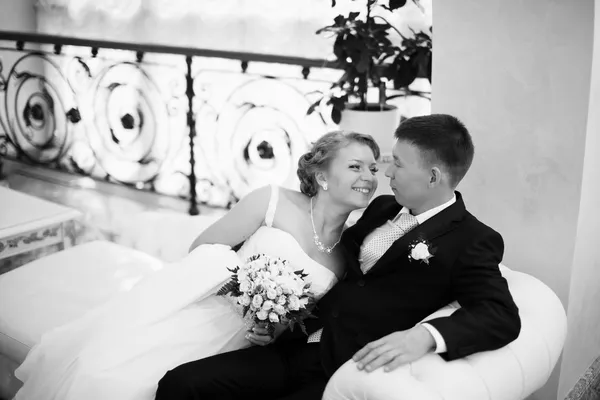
(517, 73)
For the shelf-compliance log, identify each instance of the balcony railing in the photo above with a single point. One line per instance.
(200, 124)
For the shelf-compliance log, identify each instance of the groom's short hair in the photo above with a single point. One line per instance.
(442, 139)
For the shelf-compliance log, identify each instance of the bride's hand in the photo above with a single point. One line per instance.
(261, 336)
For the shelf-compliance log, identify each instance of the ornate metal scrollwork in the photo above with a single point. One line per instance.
(254, 134)
(122, 116)
(41, 112)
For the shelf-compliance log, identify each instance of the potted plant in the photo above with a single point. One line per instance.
(364, 50)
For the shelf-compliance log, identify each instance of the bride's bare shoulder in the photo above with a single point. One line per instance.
(291, 198)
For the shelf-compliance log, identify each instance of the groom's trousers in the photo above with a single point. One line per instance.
(288, 370)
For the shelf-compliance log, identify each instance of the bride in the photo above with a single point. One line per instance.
(121, 349)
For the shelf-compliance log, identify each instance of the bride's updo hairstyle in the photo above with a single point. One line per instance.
(323, 151)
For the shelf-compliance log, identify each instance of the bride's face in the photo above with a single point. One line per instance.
(351, 176)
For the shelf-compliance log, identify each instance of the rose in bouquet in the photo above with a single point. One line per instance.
(270, 292)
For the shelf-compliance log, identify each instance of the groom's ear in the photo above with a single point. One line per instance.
(435, 176)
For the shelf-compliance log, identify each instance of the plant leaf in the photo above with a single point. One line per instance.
(406, 73)
(228, 287)
(396, 4)
(336, 115)
(339, 48)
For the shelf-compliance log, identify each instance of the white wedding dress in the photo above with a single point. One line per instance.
(120, 350)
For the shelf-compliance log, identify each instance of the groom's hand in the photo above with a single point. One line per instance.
(395, 349)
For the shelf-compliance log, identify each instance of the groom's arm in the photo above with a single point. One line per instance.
(488, 318)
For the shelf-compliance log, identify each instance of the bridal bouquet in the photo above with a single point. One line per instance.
(270, 291)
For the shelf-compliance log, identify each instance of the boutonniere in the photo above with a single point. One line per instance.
(421, 250)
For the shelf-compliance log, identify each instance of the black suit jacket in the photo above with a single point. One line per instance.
(397, 293)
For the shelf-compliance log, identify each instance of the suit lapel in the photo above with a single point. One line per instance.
(434, 227)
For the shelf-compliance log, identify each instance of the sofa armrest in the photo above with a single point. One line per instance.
(426, 379)
(510, 373)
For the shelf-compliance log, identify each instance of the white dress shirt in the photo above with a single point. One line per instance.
(440, 343)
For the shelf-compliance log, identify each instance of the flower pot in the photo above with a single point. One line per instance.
(381, 124)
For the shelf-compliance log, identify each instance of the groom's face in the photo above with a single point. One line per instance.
(409, 175)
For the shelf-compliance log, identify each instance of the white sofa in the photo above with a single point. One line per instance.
(510, 373)
(56, 289)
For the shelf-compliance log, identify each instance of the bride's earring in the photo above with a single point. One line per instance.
(325, 186)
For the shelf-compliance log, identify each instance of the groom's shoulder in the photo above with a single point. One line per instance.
(382, 200)
(478, 227)
(379, 204)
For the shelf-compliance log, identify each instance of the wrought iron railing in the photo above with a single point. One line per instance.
(205, 125)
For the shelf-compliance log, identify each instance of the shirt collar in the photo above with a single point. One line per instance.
(424, 216)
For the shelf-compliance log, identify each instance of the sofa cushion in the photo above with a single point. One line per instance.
(59, 288)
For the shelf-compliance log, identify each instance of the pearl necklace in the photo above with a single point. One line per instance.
(320, 246)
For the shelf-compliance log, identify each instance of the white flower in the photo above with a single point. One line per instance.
(420, 252)
(242, 275)
(279, 290)
(262, 315)
(274, 270)
(281, 300)
(268, 282)
(257, 300)
(294, 303)
(271, 294)
(297, 290)
(262, 276)
(279, 309)
(273, 317)
(245, 286)
(303, 302)
(244, 300)
(252, 267)
(286, 283)
(267, 305)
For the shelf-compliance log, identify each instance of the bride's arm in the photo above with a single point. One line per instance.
(239, 223)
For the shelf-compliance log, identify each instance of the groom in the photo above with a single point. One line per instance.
(409, 255)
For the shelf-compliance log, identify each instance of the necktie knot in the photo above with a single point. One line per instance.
(382, 240)
(406, 221)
